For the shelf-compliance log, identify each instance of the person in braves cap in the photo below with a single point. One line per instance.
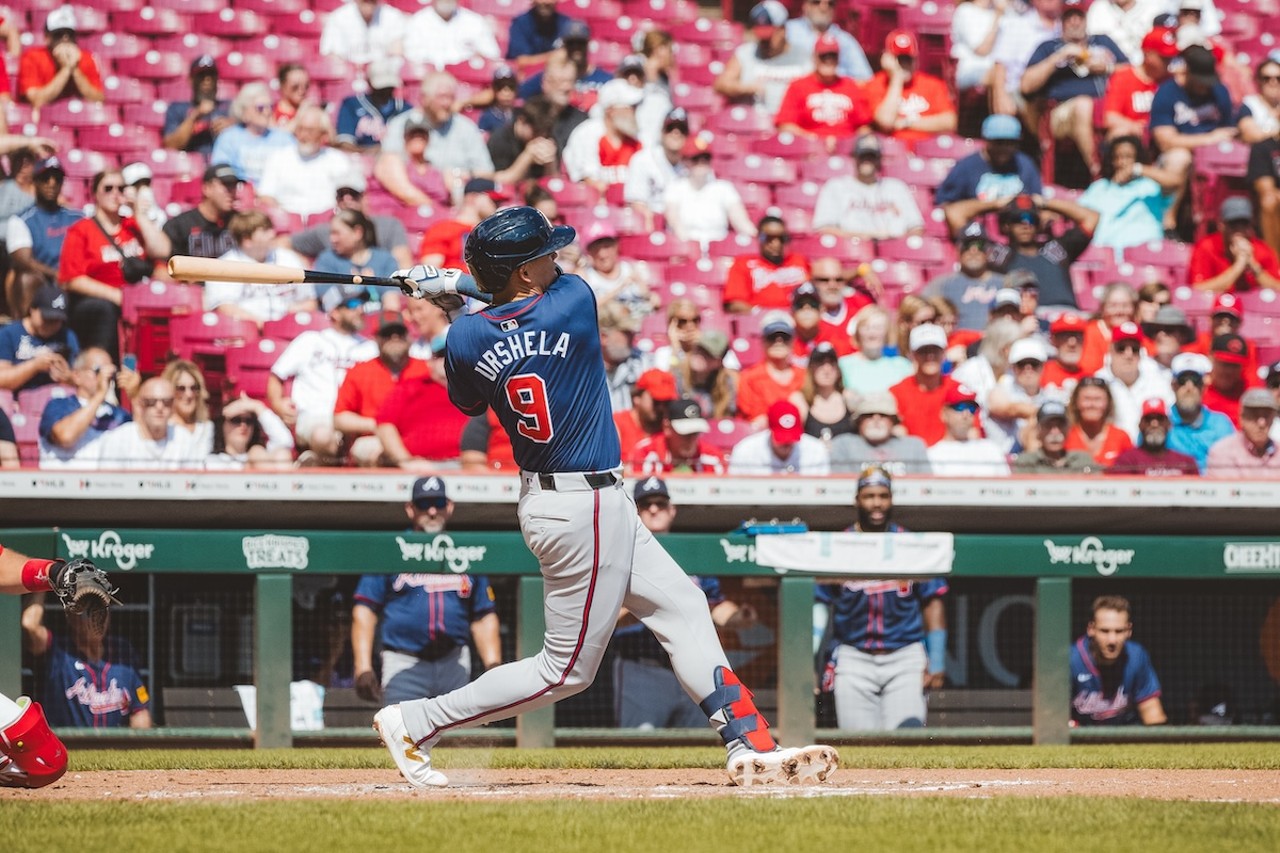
(578, 518)
(1152, 457)
(1233, 259)
(1127, 104)
(38, 349)
(959, 453)
(654, 167)
(428, 622)
(782, 448)
(880, 667)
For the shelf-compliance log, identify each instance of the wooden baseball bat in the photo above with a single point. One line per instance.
(188, 268)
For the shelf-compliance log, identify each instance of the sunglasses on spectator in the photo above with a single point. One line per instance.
(111, 188)
(347, 192)
(432, 503)
(828, 3)
(1094, 382)
(1269, 78)
(766, 238)
(980, 245)
(1183, 378)
(1128, 346)
(153, 402)
(242, 420)
(686, 322)
(971, 408)
(1029, 365)
(836, 278)
(186, 389)
(655, 506)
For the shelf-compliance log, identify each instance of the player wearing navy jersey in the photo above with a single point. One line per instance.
(428, 620)
(888, 637)
(1112, 679)
(534, 356)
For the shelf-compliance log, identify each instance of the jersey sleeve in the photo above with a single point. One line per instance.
(482, 598)
(139, 696)
(292, 359)
(932, 588)
(371, 591)
(1162, 105)
(737, 286)
(475, 435)
(462, 394)
(17, 234)
(826, 593)
(9, 337)
(1146, 684)
(1075, 241)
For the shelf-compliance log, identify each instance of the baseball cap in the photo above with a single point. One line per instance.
(504, 75)
(973, 233)
(51, 300)
(1228, 303)
(1162, 41)
(1051, 410)
(660, 385)
(826, 45)
(486, 186)
(1001, 128)
(928, 335)
(958, 394)
(686, 416)
(1067, 322)
(714, 341)
(1007, 296)
(876, 403)
(1169, 318)
(1236, 208)
(1028, 349)
(805, 294)
(1021, 280)
(61, 18)
(343, 296)
(651, 487)
(868, 145)
(618, 93)
(777, 323)
(575, 31)
(784, 422)
(824, 351)
(1126, 332)
(48, 164)
(599, 230)
(676, 118)
(697, 145)
(384, 73)
(428, 490)
(203, 64)
(1258, 398)
(135, 173)
(1189, 362)
(392, 327)
(1021, 208)
(221, 172)
(632, 63)
(1201, 65)
(766, 17)
(1231, 349)
(1155, 407)
(353, 180)
(901, 43)
(1078, 7)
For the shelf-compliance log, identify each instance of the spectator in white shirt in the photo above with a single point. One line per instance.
(866, 204)
(303, 178)
(958, 454)
(456, 146)
(655, 167)
(361, 31)
(700, 206)
(1133, 378)
(781, 449)
(974, 28)
(446, 34)
(151, 442)
(317, 362)
(1126, 22)
(255, 239)
(1013, 404)
(600, 148)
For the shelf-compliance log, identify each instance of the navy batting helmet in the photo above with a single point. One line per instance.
(511, 237)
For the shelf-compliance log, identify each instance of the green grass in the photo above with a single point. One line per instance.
(738, 825)
(1205, 756)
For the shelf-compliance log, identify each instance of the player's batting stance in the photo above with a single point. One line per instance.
(31, 756)
(534, 357)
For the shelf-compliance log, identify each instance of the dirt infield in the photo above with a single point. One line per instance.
(1253, 786)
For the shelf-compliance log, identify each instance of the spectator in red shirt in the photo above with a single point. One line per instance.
(680, 446)
(1126, 106)
(442, 242)
(1091, 411)
(60, 69)
(412, 440)
(907, 104)
(776, 377)
(1234, 259)
(920, 396)
(1153, 458)
(94, 254)
(1226, 319)
(367, 386)
(824, 104)
(839, 297)
(806, 313)
(649, 398)
(765, 280)
(1225, 384)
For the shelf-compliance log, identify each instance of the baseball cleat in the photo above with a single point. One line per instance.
(413, 761)
(759, 768)
(809, 765)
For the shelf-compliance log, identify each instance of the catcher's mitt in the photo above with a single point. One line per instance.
(83, 588)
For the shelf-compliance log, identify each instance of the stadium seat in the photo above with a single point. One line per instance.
(727, 432)
(149, 115)
(146, 310)
(946, 147)
(189, 45)
(666, 13)
(247, 67)
(154, 65)
(249, 367)
(656, 247)
(275, 7)
(75, 113)
(82, 165)
(822, 169)
(32, 401)
(127, 90)
(26, 434)
(306, 25)
(847, 251)
(110, 45)
(178, 165)
(230, 23)
(713, 33)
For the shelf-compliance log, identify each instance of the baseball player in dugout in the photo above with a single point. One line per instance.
(31, 755)
(888, 638)
(1113, 682)
(428, 620)
(533, 355)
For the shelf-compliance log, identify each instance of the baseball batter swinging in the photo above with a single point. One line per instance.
(534, 357)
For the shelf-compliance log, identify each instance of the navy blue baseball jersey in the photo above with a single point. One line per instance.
(879, 614)
(92, 694)
(536, 361)
(1110, 696)
(636, 642)
(426, 612)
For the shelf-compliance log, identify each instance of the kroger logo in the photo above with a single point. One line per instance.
(1090, 552)
(458, 558)
(735, 553)
(109, 546)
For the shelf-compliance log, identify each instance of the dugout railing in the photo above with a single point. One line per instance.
(1055, 574)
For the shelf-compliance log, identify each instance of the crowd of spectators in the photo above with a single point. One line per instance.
(782, 219)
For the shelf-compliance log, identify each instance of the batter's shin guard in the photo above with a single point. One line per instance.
(732, 711)
(33, 747)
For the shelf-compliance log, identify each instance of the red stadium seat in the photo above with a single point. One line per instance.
(128, 142)
(290, 326)
(664, 12)
(149, 115)
(249, 367)
(743, 120)
(274, 7)
(230, 23)
(658, 247)
(945, 146)
(330, 69)
(247, 67)
(822, 169)
(798, 195)
(112, 45)
(178, 165)
(1170, 253)
(921, 250)
(703, 271)
(847, 251)
(82, 165)
(76, 113)
(152, 20)
(306, 24)
(754, 168)
(790, 147)
(146, 310)
(154, 65)
(127, 90)
(713, 33)
(278, 48)
(191, 7)
(189, 45)
(725, 433)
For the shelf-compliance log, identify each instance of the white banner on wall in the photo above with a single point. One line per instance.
(858, 554)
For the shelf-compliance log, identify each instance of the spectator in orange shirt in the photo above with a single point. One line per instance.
(1225, 384)
(1091, 411)
(765, 280)
(1234, 260)
(920, 396)
(649, 398)
(824, 104)
(442, 242)
(60, 69)
(680, 446)
(776, 377)
(1119, 305)
(907, 104)
(367, 386)
(1126, 107)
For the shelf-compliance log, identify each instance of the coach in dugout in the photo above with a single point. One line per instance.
(1112, 679)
